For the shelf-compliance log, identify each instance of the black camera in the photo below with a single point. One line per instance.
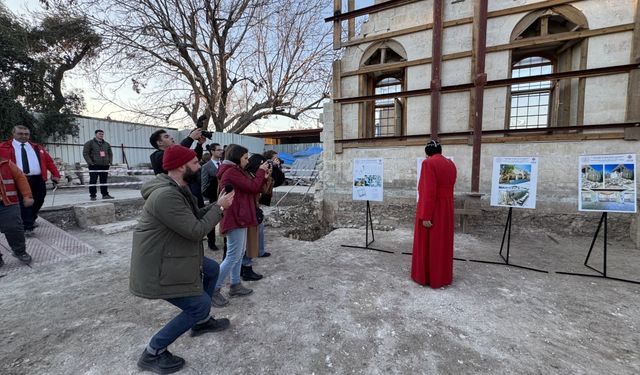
(228, 188)
(202, 120)
(270, 162)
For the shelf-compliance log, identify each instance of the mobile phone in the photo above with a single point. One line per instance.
(228, 188)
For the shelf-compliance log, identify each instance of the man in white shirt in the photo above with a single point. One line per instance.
(36, 163)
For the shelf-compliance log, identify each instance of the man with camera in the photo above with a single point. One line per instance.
(167, 258)
(161, 140)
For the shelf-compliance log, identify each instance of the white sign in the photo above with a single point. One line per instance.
(607, 183)
(514, 182)
(367, 179)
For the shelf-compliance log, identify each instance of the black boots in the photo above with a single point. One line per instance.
(163, 363)
(211, 325)
(248, 275)
(23, 257)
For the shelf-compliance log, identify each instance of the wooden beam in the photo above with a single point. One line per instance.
(337, 25)
(351, 23)
(386, 67)
(337, 107)
(633, 91)
(539, 40)
(379, 7)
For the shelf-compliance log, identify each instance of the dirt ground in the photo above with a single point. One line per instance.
(326, 309)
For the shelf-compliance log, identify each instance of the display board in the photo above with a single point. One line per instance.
(607, 183)
(368, 179)
(514, 182)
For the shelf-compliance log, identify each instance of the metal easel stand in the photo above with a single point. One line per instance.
(369, 225)
(601, 274)
(507, 235)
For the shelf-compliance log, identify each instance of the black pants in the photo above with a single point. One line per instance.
(93, 179)
(11, 226)
(39, 191)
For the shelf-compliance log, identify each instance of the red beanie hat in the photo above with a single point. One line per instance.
(175, 156)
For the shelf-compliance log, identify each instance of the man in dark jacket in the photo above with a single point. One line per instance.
(98, 155)
(167, 259)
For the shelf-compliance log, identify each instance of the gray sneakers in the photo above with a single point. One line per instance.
(218, 300)
(237, 290)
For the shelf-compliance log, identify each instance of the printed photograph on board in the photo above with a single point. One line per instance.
(367, 179)
(514, 182)
(608, 183)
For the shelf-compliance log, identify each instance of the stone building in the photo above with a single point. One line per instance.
(553, 79)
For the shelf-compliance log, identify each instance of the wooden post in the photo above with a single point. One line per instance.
(337, 107)
(337, 25)
(633, 92)
(351, 24)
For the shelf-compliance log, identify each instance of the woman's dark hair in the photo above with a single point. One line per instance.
(234, 153)
(254, 162)
(432, 148)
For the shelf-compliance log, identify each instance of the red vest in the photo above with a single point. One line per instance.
(8, 188)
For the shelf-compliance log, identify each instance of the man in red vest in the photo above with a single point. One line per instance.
(12, 181)
(34, 161)
(432, 260)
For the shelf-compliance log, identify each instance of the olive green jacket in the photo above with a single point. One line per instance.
(91, 153)
(166, 255)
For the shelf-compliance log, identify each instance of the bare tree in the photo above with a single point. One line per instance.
(235, 61)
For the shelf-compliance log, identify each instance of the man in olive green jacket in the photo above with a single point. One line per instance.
(167, 259)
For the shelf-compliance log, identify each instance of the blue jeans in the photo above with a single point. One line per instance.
(246, 261)
(194, 309)
(236, 245)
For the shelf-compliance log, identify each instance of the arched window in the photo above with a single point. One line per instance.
(530, 101)
(385, 109)
(543, 103)
(382, 117)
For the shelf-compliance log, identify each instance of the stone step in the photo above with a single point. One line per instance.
(116, 227)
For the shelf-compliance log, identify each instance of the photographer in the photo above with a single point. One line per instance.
(167, 258)
(161, 140)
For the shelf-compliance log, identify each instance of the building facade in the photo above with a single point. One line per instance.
(552, 79)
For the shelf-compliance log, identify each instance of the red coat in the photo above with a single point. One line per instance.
(432, 260)
(242, 213)
(46, 163)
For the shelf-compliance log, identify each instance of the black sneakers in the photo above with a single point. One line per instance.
(163, 363)
(1, 261)
(23, 257)
(211, 325)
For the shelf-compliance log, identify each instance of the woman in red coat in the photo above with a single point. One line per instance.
(432, 260)
(238, 217)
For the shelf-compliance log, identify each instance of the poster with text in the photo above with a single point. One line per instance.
(367, 179)
(514, 182)
(607, 183)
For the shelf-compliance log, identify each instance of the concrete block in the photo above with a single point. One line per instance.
(116, 227)
(88, 215)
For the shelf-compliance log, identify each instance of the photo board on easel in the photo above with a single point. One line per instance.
(514, 182)
(607, 183)
(368, 179)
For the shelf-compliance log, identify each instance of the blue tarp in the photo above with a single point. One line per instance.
(286, 158)
(308, 152)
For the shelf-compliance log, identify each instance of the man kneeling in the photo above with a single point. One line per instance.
(167, 259)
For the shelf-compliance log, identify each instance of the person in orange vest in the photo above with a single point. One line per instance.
(12, 183)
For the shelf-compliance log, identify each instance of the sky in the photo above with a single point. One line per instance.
(96, 108)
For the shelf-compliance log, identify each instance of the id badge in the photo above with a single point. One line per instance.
(103, 154)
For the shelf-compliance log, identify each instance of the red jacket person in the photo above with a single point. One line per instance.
(36, 163)
(432, 260)
(12, 182)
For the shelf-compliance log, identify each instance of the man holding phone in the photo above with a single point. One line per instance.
(167, 258)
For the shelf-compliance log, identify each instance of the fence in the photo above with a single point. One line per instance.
(130, 141)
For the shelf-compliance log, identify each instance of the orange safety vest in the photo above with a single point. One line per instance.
(8, 188)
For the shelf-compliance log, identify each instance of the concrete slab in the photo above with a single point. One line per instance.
(71, 197)
(116, 227)
(88, 215)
